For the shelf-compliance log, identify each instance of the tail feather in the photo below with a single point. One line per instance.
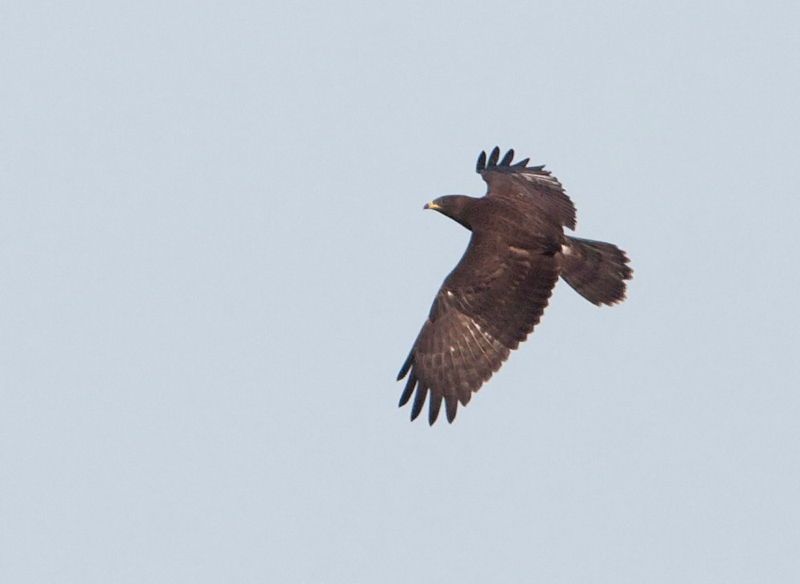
(596, 270)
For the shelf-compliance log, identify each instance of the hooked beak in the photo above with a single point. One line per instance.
(432, 205)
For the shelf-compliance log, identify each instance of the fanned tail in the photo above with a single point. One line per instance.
(596, 270)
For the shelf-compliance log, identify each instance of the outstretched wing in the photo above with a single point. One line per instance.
(485, 308)
(530, 187)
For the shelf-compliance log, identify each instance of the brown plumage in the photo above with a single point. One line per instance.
(497, 293)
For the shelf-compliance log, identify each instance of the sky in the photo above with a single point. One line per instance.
(214, 261)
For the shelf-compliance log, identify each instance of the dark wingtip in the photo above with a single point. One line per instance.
(481, 162)
(451, 405)
(494, 156)
(494, 160)
(409, 389)
(419, 401)
(406, 366)
(435, 405)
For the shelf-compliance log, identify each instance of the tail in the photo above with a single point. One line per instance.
(595, 270)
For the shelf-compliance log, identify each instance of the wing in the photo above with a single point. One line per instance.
(485, 308)
(530, 187)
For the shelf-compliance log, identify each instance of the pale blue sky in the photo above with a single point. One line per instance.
(214, 261)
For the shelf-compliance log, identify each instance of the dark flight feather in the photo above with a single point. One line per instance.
(494, 156)
(481, 162)
(497, 293)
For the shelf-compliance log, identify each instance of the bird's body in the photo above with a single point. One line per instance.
(498, 291)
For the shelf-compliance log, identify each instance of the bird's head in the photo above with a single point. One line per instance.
(454, 206)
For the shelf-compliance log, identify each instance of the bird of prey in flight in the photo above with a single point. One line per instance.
(497, 293)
